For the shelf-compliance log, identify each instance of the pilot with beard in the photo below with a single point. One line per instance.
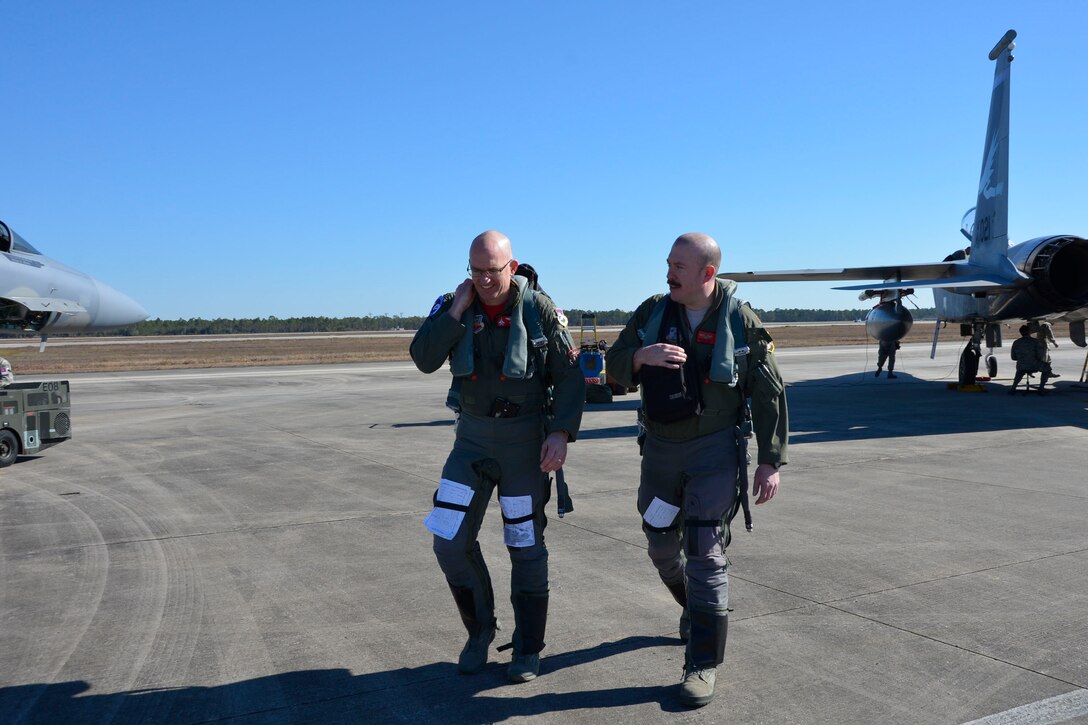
(698, 355)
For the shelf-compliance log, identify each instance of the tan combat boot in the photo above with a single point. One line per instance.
(474, 655)
(697, 688)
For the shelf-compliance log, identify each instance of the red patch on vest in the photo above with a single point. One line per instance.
(705, 337)
(502, 321)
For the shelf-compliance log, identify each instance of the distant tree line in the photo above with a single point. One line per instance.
(256, 325)
(799, 315)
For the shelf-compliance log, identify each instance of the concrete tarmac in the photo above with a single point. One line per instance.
(247, 546)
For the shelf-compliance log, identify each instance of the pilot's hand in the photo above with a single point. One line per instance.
(462, 298)
(660, 355)
(765, 485)
(553, 452)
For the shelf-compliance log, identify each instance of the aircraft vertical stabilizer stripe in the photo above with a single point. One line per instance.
(990, 237)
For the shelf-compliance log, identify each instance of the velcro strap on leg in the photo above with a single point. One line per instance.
(660, 529)
(447, 504)
(693, 539)
(518, 520)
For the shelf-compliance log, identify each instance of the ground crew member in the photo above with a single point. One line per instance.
(1046, 334)
(7, 375)
(1046, 337)
(886, 352)
(506, 344)
(1030, 356)
(694, 457)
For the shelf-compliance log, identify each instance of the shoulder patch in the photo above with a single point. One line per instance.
(437, 306)
(560, 317)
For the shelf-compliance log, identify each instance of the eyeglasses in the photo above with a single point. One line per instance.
(493, 272)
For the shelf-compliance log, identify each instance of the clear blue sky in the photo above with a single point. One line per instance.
(246, 159)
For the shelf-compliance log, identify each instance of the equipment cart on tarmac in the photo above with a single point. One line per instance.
(33, 417)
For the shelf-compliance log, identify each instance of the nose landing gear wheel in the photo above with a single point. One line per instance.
(969, 365)
(991, 366)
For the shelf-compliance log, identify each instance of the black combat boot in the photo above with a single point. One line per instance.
(531, 618)
(679, 592)
(481, 631)
(706, 650)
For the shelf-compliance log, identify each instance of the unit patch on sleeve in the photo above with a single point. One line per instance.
(560, 317)
(437, 306)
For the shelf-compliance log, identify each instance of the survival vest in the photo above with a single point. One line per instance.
(673, 394)
(526, 340)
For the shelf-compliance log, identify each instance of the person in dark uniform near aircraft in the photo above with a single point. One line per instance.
(694, 465)
(508, 348)
(1030, 356)
(886, 352)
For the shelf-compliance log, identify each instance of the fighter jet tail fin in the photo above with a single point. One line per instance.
(990, 231)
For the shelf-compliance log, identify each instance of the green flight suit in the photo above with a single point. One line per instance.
(503, 452)
(693, 464)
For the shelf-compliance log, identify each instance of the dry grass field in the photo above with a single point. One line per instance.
(102, 355)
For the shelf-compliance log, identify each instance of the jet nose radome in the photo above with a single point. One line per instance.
(116, 309)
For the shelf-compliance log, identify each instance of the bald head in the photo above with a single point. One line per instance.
(708, 250)
(493, 265)
(491, 243)
(693, 262)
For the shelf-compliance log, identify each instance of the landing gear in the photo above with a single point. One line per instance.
(969, 363)
(972, 353)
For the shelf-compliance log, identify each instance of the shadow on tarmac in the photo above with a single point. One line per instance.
(858, 407)
(430, 693)
(852, 407)
(426, 424)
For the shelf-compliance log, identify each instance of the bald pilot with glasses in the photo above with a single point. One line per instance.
(507, 345)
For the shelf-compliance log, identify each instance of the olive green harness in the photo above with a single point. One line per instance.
(729, 338)
(525, 330)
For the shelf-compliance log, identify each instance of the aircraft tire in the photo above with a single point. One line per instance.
(991, 366)
(969, 365)
(9, 448)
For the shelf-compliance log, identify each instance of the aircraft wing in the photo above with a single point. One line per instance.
(947, 275)
(49, 304)
(904, 272)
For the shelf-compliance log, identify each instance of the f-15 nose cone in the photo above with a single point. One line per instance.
(116, 309)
